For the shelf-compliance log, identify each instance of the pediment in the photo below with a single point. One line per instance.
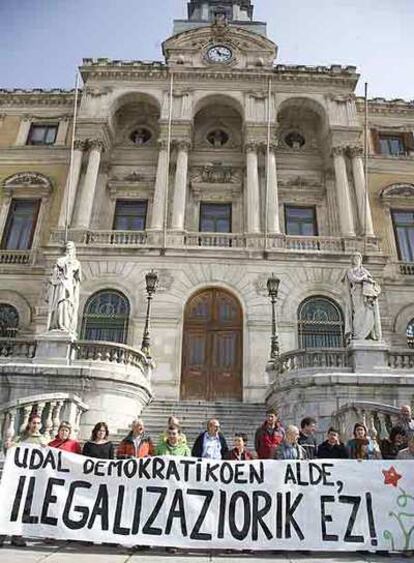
(190, 48)
(27, 184)
(398, 191)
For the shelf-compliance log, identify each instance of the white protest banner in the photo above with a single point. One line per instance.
(190, 503)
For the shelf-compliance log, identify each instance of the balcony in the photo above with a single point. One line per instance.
(51, 407)
(200, 240)
(114, 380)
(300, 360)
(407, 268)
(366, 381)
(16, 257)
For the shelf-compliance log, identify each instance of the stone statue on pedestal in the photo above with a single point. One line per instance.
(363, 312)
(63, 294)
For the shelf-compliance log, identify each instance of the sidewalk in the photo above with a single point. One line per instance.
(37, 552)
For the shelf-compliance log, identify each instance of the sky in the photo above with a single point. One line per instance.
(43, 41)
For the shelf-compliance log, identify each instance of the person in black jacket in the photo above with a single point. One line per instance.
(332, 448)
(211, 444)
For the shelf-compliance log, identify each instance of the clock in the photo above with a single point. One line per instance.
(219, 54)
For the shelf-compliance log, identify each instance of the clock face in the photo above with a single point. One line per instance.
(219, 54)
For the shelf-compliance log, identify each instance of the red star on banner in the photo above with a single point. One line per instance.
(391, 477)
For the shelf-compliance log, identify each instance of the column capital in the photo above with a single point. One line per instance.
(355, 150)
(182, 144)
(96, 144)
(339, 150)
(162, 144)
(252, 146)
(80, 144)
(273, 145)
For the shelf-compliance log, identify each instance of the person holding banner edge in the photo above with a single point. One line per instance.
(31, 435)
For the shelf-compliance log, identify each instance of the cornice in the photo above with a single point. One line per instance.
(384, 106)
(37, 97)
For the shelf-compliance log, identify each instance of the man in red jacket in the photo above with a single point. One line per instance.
(269, 436)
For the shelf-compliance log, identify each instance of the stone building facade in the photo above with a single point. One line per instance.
(215, 167)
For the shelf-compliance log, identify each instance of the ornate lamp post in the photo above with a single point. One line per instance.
(151, 282)
(273, 288)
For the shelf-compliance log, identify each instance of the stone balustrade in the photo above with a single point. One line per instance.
(336, 245)
(401, 359)
(328, 358)
(51, 407)
(17, 348)
(228, 240)
(116, 238)
(96, 351)
(17, 257)
(377, 417)
(407, 268)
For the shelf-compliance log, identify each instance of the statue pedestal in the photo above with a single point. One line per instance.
(53, 346)
(368, 355)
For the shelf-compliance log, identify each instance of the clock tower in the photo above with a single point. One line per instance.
(202, 13)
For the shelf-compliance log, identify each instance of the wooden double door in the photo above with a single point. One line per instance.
(212, 347)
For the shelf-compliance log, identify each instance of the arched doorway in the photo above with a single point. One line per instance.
(212, 347)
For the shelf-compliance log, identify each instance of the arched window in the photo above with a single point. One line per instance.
(106, 317)
(9, 321)
(410, 334)
(320, 324)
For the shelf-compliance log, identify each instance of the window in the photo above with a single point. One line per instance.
(404, 233)
(391, 144)
(141, 136)
(130, 215)
(320, 324)
(300, 221)
(217, 138)
(295, 140)
(410, 334)
(9, 321)
(215, 217)
(106, 317)
(20, 224)
(42, 134)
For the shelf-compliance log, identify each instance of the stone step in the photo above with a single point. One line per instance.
(193, 415)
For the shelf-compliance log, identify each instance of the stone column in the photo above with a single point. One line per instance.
(88, 192)
(160, 190)
(253, 207)
(71, 185)
(343, 193)
(364, 207)
(273, 224)
(180, 187)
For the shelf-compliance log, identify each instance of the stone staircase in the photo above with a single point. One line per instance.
(233, 417)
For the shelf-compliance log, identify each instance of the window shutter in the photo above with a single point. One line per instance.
(375, 141)
(408, 139)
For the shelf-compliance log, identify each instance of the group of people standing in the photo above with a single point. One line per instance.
(272, 441)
